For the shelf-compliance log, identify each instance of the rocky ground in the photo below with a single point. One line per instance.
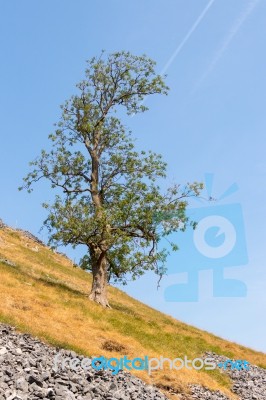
(28, 371)
(248, 385)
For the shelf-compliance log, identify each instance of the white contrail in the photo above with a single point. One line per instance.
(233, 31)
(181, 45)
(190, 32)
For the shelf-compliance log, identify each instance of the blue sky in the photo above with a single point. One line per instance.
(213, 120)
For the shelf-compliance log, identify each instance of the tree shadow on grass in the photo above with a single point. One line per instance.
(46, 280)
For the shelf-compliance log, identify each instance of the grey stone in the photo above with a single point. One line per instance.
(3, 351)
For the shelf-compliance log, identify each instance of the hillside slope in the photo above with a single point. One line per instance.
(42, 293)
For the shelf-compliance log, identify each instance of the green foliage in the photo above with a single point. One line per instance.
(109, 191)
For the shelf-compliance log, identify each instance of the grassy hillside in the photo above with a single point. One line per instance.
(43, 294)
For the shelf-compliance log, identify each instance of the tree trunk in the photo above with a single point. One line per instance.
(99, 278)
(98, 252)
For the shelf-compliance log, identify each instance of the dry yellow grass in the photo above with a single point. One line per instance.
(43, 294)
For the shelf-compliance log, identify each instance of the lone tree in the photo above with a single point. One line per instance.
(109, 191)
